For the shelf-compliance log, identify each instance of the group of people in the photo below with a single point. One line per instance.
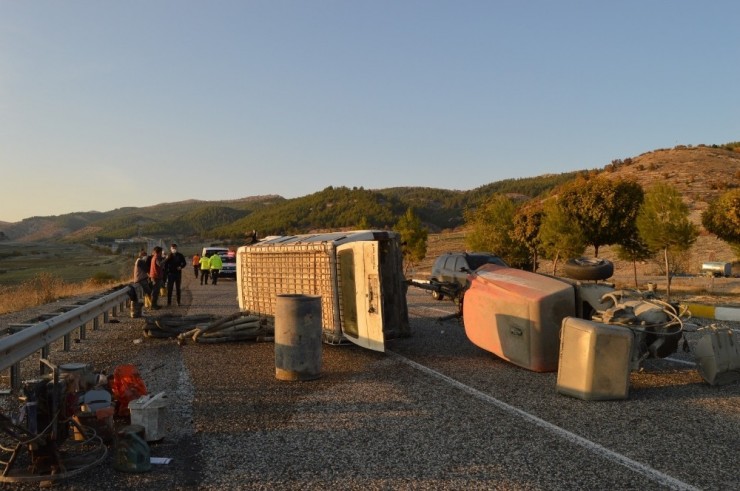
(208, 265)
(155, 271)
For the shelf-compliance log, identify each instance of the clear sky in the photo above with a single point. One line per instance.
(106, 104)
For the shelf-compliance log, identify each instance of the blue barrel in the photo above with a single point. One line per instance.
(298, 337)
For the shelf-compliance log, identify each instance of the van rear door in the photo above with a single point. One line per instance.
(361, 295)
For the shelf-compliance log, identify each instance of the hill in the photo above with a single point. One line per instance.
(700, 173)
(176, 219)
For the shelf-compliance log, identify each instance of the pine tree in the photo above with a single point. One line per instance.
(413, 239)
(663, 223)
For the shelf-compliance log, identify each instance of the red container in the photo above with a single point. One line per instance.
(517, 315)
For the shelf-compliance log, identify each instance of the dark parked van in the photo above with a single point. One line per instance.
(453, 267)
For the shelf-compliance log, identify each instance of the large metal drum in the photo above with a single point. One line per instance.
(298, 337)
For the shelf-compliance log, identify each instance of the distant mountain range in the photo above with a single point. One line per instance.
(700, 173)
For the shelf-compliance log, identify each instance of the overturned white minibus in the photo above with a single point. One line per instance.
(358, 274)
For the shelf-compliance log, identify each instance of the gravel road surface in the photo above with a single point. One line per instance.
(433, 412)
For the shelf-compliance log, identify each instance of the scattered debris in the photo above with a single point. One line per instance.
(718, 355)
(127, 386)
(239, 326)
(149, 412)
(235, 327)
(37, 445)
(170, 326)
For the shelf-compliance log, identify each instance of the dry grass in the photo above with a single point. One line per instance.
(42, 289)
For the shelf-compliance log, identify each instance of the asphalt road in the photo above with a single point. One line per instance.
(432, 412)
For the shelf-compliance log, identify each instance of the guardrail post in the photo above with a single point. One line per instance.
(44, 355)
(106, 316)
(83, 331)
(67, 342)
(96, 323)
(15, 376)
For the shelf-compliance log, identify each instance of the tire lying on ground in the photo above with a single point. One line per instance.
(584, 268)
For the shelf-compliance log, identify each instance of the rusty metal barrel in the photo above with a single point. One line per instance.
(298, 337)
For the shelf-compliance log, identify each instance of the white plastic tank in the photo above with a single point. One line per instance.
(594, 360)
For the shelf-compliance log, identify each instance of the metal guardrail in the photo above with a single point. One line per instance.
(27, 339)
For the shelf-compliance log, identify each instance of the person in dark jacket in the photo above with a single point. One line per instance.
(173, 270)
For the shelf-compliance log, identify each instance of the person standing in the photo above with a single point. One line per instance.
(205, 269)
(156, 275)
(216, 265)
(141, 274)
(196, 264)
(173, 268)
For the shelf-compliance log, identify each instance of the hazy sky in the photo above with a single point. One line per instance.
(105, 104)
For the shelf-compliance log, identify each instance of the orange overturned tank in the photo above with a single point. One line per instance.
(517, 315)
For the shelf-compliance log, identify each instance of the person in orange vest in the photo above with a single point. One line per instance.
(196, 264)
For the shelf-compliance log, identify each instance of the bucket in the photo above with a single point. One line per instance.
(131, 452)
(149, 412)
(135, 311)
(298, 337)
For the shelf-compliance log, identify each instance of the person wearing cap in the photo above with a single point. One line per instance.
(141, 274)
(173, 270)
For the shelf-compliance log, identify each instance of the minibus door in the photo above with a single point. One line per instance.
(361, 297)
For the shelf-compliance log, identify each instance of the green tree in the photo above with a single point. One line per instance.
(663, 223)
(363, 224)
(560, 237)
(634, 249)
(722, 218)
(605, 209)
(491, 227)
(527, 228)
(413, 238)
